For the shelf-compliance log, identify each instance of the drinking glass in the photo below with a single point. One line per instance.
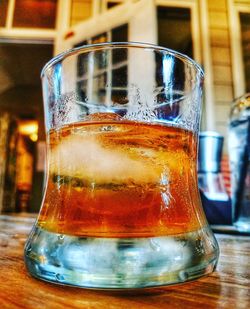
(121, 207)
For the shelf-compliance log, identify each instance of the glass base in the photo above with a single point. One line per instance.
(120, 263)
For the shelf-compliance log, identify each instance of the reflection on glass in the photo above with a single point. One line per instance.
(245, 35)
(168, 65)
(104, 69)
(35, 13)
(119, 34)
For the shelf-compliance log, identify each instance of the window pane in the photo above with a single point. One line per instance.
(81, 60)
(174, 29)
(119, 65)
(80, 10)
(35, 14)
(119, 77)
(245, 35)
(81, 89)
(3, 12)
(119, 34)
(112, 4)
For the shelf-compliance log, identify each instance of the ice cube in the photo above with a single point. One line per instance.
(85, 157)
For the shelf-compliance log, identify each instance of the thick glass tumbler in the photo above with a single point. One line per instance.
(121, 207)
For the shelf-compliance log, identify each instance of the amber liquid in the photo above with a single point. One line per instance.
(121, 179)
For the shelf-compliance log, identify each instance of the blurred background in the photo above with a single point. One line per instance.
(214, 33)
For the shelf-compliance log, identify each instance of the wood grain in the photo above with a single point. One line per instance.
(228, 287)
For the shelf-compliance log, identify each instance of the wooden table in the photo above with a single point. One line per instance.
(228, 287)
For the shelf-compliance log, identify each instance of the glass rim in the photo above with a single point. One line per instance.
(109, 45)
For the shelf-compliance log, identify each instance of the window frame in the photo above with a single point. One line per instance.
(8, 33)
(122, 14)
(238, 72)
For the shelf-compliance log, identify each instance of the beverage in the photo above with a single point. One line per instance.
(121, 179)
(121, 205)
